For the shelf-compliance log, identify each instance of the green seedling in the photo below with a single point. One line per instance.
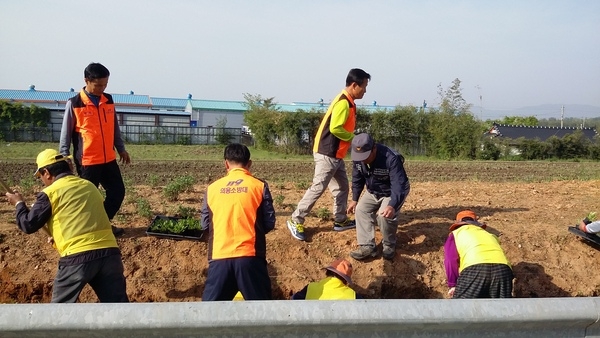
(591, 216)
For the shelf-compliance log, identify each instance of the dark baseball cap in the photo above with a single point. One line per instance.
(362, 144)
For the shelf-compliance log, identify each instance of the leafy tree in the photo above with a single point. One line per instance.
(223, 135)
(262, 117)
(489, 150)
(452, 100)
(519, 121)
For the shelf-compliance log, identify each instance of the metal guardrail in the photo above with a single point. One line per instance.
(540, 317)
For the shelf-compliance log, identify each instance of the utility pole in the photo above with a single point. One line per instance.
(562, 115)
(480, 102)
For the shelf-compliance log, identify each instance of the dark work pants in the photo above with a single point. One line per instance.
(249, 275)
(104, 275)
(485, 281)
(109, 175)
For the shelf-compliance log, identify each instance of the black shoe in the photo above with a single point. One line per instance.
(363, 252)
(389, 252)
(117, 231)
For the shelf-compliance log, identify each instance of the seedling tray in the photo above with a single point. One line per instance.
(588, 237)
(195, 235)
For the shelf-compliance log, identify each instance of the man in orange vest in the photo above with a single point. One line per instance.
(237, 213)
(335, 286)
(331, 146)
(91, 126)
(476, 266)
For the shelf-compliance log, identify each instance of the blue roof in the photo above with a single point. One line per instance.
(54, 96)
(35, 95)
(219, 105)
(164, 102)
(159, 103)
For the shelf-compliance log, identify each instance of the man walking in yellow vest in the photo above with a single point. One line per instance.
(331, 146)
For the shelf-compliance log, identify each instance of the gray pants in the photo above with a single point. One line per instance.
(329, 172)
(104, 275)
(367, 215)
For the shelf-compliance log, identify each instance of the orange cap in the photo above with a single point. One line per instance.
(460, 220)
(342, 268)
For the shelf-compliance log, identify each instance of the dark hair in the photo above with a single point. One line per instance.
(237, 153)
(95, 71)
(357, 75)
(329, 273)
(58, 168)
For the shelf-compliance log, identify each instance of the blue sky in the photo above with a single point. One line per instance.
(511, 53)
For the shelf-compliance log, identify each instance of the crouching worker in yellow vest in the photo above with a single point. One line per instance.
(335, 286)
(73, 209)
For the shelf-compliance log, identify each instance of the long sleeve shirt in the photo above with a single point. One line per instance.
(451, 260)
(384, 177)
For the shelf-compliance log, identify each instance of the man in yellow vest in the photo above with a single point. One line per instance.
(331, 146)
(335, 286)
(476, 266)
(73, 210)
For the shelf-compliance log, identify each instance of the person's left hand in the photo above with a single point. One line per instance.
(388, 212)
(125, 157)
(14, 198)
(351, 207)
(451, 292)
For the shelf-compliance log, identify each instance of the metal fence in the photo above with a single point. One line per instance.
(464, 318)
(137, 134)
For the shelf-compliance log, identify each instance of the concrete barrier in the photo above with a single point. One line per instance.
(546, 317)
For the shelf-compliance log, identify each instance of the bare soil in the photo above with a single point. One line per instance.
(528, 205)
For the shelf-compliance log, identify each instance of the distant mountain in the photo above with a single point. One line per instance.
(543, 111)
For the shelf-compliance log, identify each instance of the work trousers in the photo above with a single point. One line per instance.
(104, 275)
(109, 175)
(329, 173)
(367, 212)
(225, 277)
(485, 281)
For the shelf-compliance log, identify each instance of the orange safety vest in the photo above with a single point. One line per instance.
(234, 201)
(325, 142)
(94, 128)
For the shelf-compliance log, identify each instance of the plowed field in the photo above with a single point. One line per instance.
(527, 204)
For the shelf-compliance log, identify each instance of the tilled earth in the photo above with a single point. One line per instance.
(527, 204)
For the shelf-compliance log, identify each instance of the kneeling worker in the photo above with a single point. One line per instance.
(335, 286)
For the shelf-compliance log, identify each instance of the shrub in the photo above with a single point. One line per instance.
(186, 212)
(324, 214)
(181, 184)
(143, 208)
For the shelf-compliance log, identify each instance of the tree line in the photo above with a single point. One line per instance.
(448, 132)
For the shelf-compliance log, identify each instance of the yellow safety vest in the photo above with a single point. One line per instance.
(477, 246)
(330, 288)
(78, 222)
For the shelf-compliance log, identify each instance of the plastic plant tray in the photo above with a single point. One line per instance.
(195, 235)
(588, 237)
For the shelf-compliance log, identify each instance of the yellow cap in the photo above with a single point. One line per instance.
(48, 157)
